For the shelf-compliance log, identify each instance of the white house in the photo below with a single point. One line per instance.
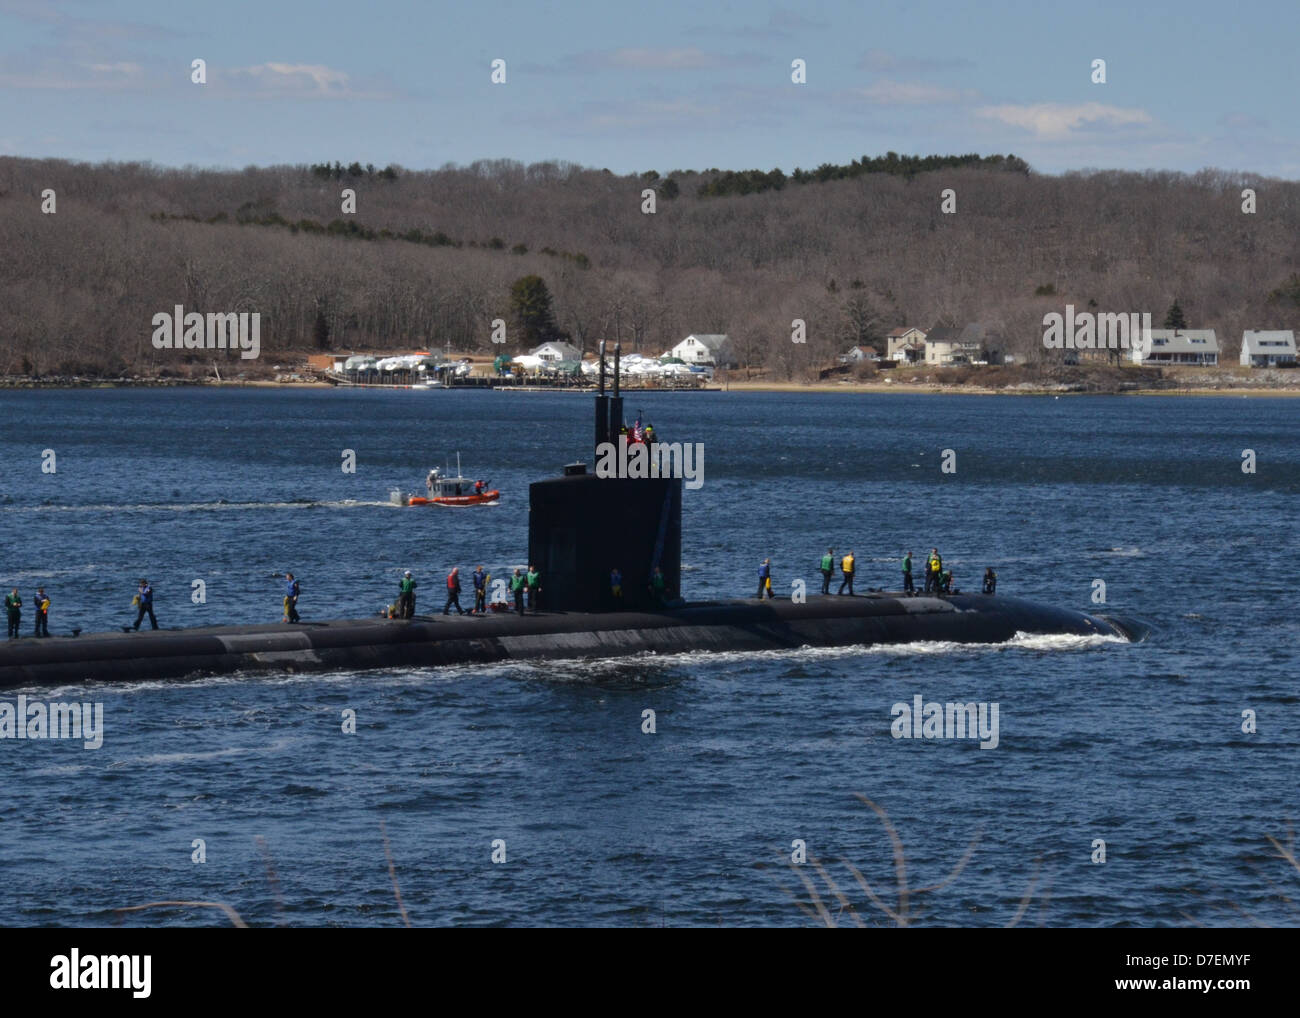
(906, 344)
(1178, 346)
(944, 345)
(701, 348)
(558, 352)
(1266, 349)
(858, 354)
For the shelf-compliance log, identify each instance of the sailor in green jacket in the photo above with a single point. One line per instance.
(908, 588)
(14, 610)
(658, 587)
(533, 585)
(517, 588)
(406, 596)
(827, 569)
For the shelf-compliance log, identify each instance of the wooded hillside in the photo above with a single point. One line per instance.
(429, 257)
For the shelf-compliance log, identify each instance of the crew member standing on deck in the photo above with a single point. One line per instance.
(14, 611)
(453, 591)
(290, 598)
(990, 581)
(42, 605)
(616, 587)
(517, 588)
(764, 578)
(144, 598)
(406, 596)
(480, 579)
(933, 567)
(847, 565)
(533, 585)
(907, 574)
(658, 588)
(827, 569)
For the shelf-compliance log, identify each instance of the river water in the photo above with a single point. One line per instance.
(1139, 746)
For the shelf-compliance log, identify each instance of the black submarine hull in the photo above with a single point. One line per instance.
(383, 643)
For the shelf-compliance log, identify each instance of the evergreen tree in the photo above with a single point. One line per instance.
(1174, 317)
(321, 332)
(530, 304)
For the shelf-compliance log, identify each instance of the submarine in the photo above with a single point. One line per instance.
(580, 527)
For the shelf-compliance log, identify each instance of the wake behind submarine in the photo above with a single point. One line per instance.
(580, 528)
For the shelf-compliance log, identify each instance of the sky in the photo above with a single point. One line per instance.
(672, 84)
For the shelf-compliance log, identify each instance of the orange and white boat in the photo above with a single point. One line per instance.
(450, 491)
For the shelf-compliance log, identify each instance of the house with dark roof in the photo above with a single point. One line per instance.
(947, 345)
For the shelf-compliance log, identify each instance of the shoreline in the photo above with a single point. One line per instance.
(938, 389)
(817, 388)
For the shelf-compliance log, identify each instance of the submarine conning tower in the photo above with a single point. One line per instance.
(580, 525)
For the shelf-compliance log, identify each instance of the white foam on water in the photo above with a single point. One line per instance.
(583, 668)
(194, 507)
(256, 749)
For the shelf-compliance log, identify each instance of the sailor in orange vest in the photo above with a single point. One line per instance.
(453, 592)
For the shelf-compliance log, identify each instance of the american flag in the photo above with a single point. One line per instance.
(638, 432)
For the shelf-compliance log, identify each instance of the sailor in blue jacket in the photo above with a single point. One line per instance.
(480, 578)
(291, 590)
(145, 597)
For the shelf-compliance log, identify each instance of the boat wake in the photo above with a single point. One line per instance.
(220, 505)
(633, 670)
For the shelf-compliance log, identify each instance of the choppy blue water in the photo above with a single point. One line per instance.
(1139, 745)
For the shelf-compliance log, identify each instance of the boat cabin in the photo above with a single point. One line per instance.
(439, 486)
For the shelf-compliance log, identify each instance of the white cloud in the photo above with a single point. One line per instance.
(1057, 120)
(297, 78)
(301, 81)
(122, 67)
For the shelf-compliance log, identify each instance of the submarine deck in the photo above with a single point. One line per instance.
(428, 640)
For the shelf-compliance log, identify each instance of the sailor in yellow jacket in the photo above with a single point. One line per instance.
(933, 572)
(847, 566)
